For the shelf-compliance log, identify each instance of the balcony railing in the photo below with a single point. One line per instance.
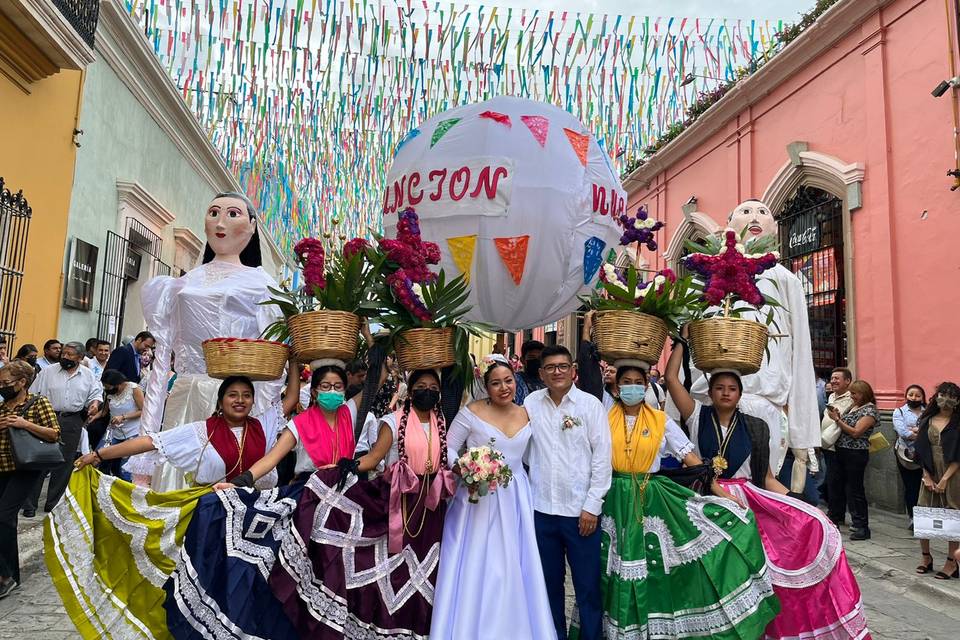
(82, 15)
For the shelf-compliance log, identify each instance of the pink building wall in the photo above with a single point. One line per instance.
(865, 102)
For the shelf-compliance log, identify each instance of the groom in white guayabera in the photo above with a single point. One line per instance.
(570, 474)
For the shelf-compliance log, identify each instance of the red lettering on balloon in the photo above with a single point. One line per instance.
(398, 192)
(488, 185)
(460, 175)
(442, 173)
(600, 200)
(412, 182)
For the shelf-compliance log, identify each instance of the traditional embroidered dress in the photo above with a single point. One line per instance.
(362, 563)
(676, 564)
(818, 593)
(212, 451)
(110, 546)
(220, 587)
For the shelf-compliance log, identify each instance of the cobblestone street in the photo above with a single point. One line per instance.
(900, 605)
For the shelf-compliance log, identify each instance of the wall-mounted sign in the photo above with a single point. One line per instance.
(81, 273)
(131, 264)
(804, 234)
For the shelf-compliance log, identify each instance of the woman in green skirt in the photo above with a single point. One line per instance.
(675, 564)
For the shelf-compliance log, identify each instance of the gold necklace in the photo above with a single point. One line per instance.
(427, 469)
(720, 462)
(240, 447)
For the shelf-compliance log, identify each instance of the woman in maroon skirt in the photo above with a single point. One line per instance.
(362, 559)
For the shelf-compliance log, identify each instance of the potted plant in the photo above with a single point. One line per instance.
(322, 317)
(423, 310)
(638, 308)
(719, 337)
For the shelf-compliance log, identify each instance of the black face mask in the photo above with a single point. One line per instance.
(532, 367)
(425, 399)
(68, 364)
(9, 392)
(353, 390)
(32, 361)
(914, 404)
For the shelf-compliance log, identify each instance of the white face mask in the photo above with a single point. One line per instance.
(947, 402)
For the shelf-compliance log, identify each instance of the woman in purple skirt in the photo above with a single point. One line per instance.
(361, 561)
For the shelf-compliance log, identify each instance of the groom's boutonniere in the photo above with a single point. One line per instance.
(569, 422)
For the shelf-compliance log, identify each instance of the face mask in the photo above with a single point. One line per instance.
(632, 394)
(913, 404)
(425, 399)
(9, 392)
(68, 364)
(532, 366)
(32, 361)
(947, 402)
(330, 400)
(354, 389)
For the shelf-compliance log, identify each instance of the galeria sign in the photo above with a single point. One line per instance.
(479, 186)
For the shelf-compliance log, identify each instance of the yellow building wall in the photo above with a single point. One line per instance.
(482, 346)
(37, 156)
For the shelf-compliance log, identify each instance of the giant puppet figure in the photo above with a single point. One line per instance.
(786, 382)
(219, 298)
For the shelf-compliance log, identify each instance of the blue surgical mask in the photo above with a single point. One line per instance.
(330, 400)
(632, 394)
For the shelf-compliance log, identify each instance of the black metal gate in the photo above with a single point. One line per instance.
(123, 263)
(811, 241)
(15, 215)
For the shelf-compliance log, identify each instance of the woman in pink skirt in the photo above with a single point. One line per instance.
(818, 593)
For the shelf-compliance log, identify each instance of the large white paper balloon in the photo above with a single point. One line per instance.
(482, 177)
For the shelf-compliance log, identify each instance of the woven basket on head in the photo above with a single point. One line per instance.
(631, 335)
(257, 359)
(425, 349)
(318, 335)
(728, 343)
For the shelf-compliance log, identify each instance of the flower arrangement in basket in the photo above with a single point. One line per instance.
(719, 337)
(423, 310)
(637, 314)
(322, 317)
(482, 470)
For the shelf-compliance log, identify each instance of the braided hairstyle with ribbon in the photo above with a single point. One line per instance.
(402, 427)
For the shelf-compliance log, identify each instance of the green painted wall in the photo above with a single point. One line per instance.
(121, 141)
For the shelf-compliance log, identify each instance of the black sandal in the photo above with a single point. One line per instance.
(926, 568)
(940, 575)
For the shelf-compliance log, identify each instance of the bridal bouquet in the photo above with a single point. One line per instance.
(482, 470)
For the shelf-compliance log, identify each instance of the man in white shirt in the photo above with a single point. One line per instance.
(98, 363)
(570, 472)
(840, 380)
(72, 390)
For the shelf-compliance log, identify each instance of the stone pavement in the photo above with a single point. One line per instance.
(900, 604)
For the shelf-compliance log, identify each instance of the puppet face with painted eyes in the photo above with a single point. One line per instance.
(755, 217)
(229, 225)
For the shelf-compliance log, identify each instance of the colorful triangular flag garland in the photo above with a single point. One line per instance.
(538, 126)
(502, 118)
(579, 142)
(461, 250)
(592, 257)
(513, 252)
(441, 130)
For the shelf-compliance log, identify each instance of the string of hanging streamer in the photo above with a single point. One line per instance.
(307, 100)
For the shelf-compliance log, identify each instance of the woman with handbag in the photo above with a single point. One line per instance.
(905, 424)
(856, 424)
(22, 416)
(938, 451)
